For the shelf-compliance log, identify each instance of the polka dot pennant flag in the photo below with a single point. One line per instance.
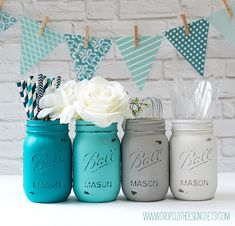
(33, 46)
(6, 20)
(224, 24)
(86, 60)
(193, 46)
(139, 60)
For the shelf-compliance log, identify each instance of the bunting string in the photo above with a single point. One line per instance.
(138, 52)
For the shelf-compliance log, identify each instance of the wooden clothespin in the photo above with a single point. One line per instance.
(136, 35)
(228, 8)
(86, 39)
(1, 4)
(43, 25)
(186, 26)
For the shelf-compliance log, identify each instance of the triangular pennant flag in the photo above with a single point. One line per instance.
(6, 20)
(139, 59)
(222, 22)
(86, 60)
(33, 46)
(193, 46)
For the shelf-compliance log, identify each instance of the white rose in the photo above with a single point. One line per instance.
(101, 102)
(58, 103)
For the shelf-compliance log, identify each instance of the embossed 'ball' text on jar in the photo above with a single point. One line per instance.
(47, 169)
(145, 160)
(96, 158)
(193, 160)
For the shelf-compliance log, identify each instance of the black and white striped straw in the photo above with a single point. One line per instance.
(40, 90)
(58, 82)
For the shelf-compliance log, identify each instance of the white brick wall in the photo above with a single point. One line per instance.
(108, 18)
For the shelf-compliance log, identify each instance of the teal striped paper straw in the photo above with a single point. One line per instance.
(47, 83)
(30, 99)
(21, 88)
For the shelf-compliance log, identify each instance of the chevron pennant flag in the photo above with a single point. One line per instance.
(193, 46)
(6, 20)
(86, 60)
(33, 46)
(139, 59)
(224, 24)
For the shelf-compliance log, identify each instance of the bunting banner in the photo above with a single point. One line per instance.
(33, 46)
(193, 46)
(86, 60)
(6, 20)
(140, 59)
(224, 24)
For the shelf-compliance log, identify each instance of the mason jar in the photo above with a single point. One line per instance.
(145, 160)
(193, 160)
(47, 161)
(96, 157)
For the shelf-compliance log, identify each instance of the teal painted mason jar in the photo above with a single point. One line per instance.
(96, 153)
(47, 170)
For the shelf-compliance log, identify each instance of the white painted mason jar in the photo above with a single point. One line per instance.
(145, 160)
(193, 160)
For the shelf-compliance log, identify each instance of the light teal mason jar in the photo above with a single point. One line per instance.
(47, 170)
(96, 153)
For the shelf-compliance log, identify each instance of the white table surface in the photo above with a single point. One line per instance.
(16, 210)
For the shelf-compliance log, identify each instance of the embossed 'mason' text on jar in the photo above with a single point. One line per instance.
(47, 161)
(96, 162)
(193, 160)
(145, 157)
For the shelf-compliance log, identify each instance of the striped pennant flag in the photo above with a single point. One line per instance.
(139, 59)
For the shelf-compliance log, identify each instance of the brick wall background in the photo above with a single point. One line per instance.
(108, 18)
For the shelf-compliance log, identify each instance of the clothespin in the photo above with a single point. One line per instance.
(186, 26)
(43, 25)
(227, 7)
(1, 4)
(136, 35)
(86, 39)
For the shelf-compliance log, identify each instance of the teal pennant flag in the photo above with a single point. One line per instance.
(6, 20)
(87, 60)
(193, 46)
(33, 46)
(140, 59)
(224, 24)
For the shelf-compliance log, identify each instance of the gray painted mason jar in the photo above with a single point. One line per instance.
(145, 160)
(193, 160)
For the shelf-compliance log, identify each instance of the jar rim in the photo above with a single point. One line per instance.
(43, 123)
(192, 125)
(143, 125)
(86, 126)
(43, 126)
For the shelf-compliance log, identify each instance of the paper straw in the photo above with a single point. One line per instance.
(47, 83)
(23, 94)
(52, 80)
(58, 82)
(40, 90)
(34, 96)
(30, 99)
